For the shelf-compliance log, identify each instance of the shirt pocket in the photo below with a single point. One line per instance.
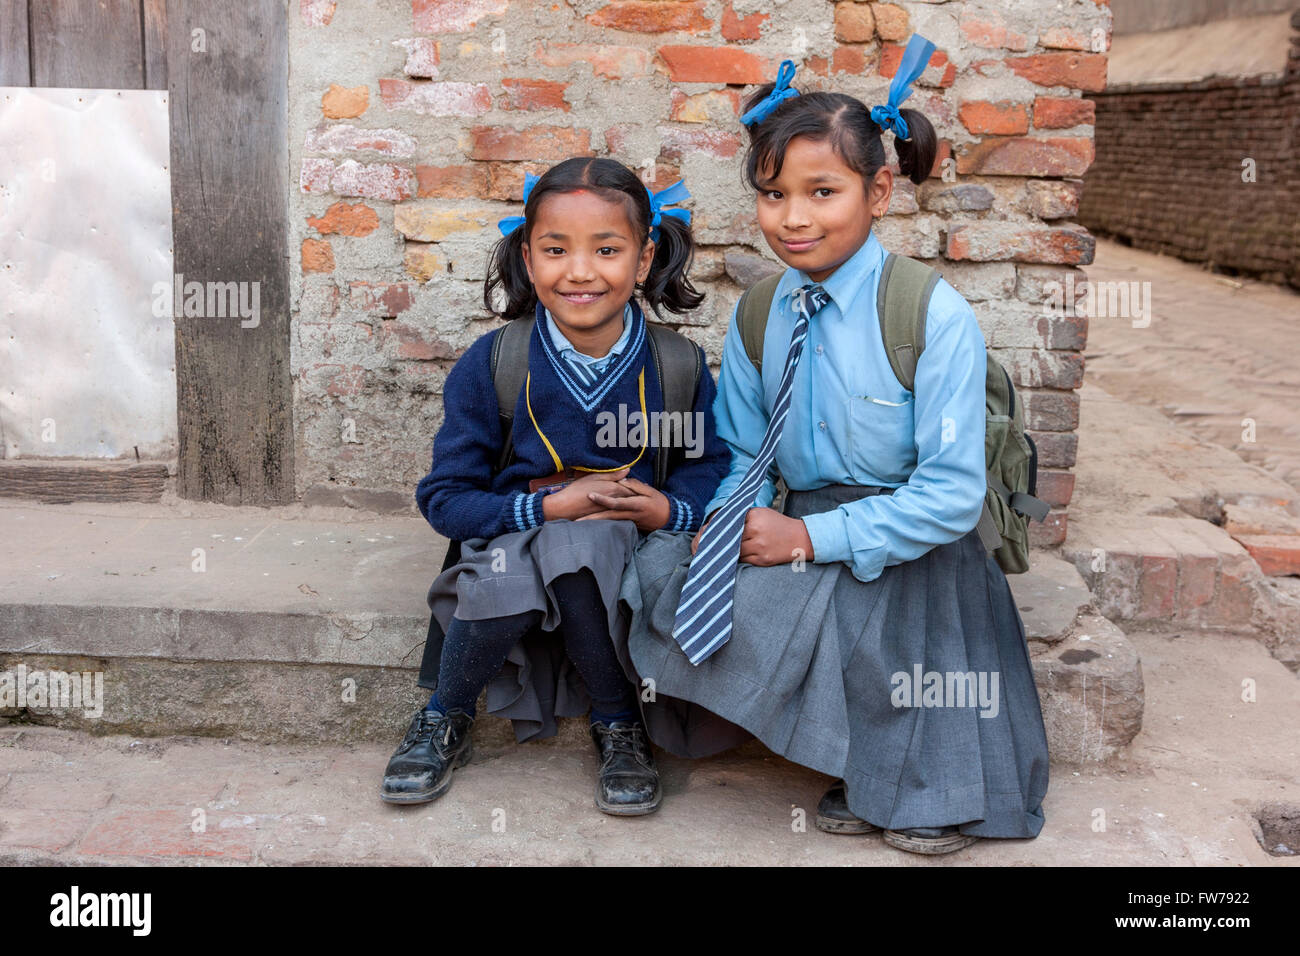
(880, 436)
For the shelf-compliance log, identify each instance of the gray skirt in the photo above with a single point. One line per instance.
(915, 688)
(512, 574)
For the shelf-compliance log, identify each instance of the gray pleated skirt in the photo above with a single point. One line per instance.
(915, 688)
(512, 574)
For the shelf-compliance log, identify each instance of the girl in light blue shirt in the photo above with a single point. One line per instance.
(861, 629)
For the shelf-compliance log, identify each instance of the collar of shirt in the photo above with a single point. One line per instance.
(564, 348)
(846, 281)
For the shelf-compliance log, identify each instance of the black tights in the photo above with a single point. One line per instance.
(473, 651)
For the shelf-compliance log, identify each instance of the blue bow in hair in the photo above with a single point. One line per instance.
(781, 92)
(510, 223)
(676, 193)
(913, 64)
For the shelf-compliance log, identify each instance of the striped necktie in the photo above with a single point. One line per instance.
(703, 621)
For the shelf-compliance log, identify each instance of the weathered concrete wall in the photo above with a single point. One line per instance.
(1206, 170)
(413, 121)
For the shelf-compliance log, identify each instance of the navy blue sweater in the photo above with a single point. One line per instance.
(463, 497)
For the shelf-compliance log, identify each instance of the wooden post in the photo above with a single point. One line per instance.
(227, 67)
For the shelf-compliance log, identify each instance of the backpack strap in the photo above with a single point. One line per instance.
(677, 361)
(902, 301)
(509, 364)
(753, 310)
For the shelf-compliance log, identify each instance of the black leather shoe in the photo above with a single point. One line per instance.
(929, 840)
(834, 816)
(627, 783)
(420, 769)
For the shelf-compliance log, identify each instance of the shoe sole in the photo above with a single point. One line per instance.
(929, 847)
(628, 810)
(844, 827)
(428, 796)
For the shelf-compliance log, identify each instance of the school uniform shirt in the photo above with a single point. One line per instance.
(559, 414)
(588, 367)
(852, 423)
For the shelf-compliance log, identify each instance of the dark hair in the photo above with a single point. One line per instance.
(665, 286)
(847, 125)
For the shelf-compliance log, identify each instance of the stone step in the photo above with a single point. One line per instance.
(307, 624)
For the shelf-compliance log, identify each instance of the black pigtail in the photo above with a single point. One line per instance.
(916, 154)
(667, 284)
(506, 271)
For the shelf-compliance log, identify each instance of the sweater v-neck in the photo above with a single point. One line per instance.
(588, 396)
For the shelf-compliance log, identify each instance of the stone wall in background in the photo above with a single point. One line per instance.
(1208, 171)
(412, 123)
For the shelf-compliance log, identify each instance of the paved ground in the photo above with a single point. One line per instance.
(1217, 351)
(1185, 795)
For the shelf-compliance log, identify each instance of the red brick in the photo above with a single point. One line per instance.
(317, 256)
(411, 342)
(1052, 411)
(1020, 242)
(423, 54)
(534, 95)
(373, 181)
(453, 16)
(1276, 554)
(1024, 156)
(532, 143)
(613, 62)
(1065, 38)
(818, 66)
(316, 13)
(854, 22)
(1197, 574)
(1055, 487)
(988, 28)
(1053, 198)
(941, 155)
(1040, 368)
(344, 102)
(1055, 112)
(704, 107)
(715, 64)
(345, 138)
(506, 180)
(345, 220)
(1080, 71)
(1158, 587)
(677, 142)
(849, 59)
(652, 16)
(167, 833)
(380, 298)
(1005, 117)
(939, 72)
(436, 99)
(1234, 599)
(892, 22)
(315, 175)
(1056, 449)
(1050, 532)
(452, 182)
(741, 28)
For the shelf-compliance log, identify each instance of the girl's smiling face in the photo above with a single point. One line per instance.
(585, 258)
(817, 213)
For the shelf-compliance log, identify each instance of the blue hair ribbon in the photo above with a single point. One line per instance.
(915, 59)
(510, 223)
(669, 196)
(781, 92)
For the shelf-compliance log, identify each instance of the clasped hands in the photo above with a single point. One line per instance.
(609, 495)
(769, 538)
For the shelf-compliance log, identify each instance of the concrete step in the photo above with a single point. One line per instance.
(307, 623)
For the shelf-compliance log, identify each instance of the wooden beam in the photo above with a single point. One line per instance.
(229, 151)
(61, 482)
(15, 64)
(87, 43)
(155, 44)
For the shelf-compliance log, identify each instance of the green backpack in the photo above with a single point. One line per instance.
(1010, 458)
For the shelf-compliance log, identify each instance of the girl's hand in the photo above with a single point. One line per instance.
(572, 501)
(772, 538)
(695, 541)
(645, 505)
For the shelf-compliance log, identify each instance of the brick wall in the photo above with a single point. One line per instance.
(1169, 175)
(413, 122)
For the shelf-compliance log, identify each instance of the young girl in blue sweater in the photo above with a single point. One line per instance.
(813, 626)
(530, 610)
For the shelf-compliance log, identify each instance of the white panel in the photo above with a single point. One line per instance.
(85, 234)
